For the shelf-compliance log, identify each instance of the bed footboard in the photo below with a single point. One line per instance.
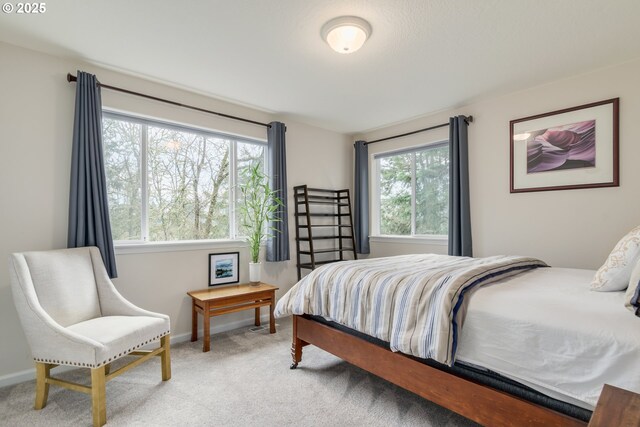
(475, 401)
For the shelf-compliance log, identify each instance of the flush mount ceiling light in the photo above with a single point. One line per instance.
(346, 34)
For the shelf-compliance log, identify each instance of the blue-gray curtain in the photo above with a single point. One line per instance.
(88, 206)
(361, 197)
(278, 243)
(459, 211)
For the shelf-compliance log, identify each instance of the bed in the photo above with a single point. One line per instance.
(565, 341)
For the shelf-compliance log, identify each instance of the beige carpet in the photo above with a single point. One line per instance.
(244, 380)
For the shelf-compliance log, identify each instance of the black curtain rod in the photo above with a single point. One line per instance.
(72, 78)
(468, 119)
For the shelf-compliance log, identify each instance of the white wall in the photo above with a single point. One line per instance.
(570, 228)
(36, 121)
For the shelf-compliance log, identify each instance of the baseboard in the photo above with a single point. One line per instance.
(30, 374)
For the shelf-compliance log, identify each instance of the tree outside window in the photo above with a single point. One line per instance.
(170, 183)
(413, 190)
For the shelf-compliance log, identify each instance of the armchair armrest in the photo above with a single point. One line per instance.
(112, 303)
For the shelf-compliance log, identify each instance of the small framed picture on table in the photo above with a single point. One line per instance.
(223, 268)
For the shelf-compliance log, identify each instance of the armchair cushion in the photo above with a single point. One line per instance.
(119, 335)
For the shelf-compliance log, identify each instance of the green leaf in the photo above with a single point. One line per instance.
(259, 207)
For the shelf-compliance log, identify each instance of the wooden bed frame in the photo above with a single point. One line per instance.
(480, 403)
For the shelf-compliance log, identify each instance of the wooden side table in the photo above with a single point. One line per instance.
(229, 299)
(616, 407)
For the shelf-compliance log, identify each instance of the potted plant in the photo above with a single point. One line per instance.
(258, 207)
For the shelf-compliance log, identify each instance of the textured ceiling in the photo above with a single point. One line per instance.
(423, 55)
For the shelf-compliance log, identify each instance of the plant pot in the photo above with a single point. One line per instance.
(255, 270)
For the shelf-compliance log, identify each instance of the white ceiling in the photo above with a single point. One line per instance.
(423, 55)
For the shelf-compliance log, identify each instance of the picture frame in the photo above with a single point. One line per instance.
(566, 149)
(224, 268)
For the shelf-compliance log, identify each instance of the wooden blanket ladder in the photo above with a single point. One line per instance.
(324, 227)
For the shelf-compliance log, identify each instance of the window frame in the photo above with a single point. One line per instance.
(376, 235)
(144, 244)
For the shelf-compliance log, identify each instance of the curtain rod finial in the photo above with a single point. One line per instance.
(470, 119)
(71, 78)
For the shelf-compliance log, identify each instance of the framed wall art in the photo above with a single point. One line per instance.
(566, 149)
(223, 268)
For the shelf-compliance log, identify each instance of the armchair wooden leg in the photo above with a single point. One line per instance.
(98, 396)
(107, 368)
(42, 386)
(165, 357)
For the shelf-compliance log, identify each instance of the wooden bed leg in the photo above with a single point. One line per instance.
(296, 353)
(296, 345)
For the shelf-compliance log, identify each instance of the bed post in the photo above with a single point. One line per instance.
(296, 344)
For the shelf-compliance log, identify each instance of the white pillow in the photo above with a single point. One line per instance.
(632, 297)
(615, 272)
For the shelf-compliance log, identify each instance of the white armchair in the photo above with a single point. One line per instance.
(73, 315)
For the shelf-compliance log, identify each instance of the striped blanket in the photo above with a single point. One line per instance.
(416, 303)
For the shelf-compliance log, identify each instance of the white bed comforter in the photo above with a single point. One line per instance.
(416, 303)
(546, 329)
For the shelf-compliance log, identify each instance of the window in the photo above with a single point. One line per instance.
(412, 191)
(168, 182)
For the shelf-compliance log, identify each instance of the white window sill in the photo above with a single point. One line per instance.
(122, 248)
(421, 240)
